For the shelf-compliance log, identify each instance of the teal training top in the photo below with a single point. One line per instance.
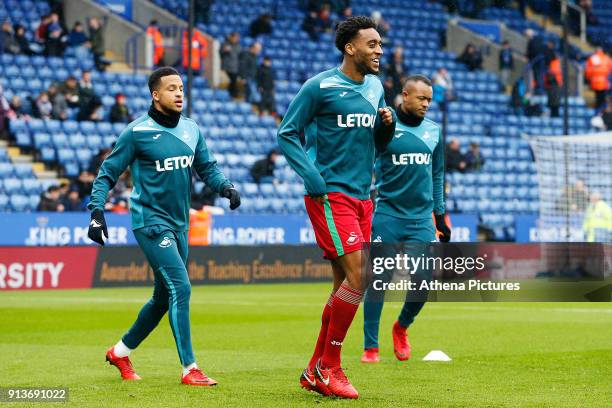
(341, 122)
(410, 172)
(161, 160)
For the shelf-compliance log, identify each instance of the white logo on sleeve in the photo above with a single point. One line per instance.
(165, 243)
(186, 135)
(371, 95)
(343, 93)
(398, 135)
(426, 135)
(156, 136)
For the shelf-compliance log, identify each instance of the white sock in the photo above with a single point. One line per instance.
(121, 350)
(189, 367)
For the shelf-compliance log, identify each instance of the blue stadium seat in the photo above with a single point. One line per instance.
(12, 185)
(31, 186)
(19, 202)
(4, 201)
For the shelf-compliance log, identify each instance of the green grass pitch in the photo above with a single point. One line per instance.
(256, 339)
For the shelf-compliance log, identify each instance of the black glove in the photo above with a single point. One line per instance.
(232, 194)
(443, 228)
(97, 227)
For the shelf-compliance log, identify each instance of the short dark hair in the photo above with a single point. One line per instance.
(157, 75)
(349, 28)
(417, 78)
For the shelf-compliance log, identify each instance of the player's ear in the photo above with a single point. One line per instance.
(349, 49)
(155, 95)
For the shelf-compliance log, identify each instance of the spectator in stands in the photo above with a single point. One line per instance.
(531, 106)
(120, 113)
(54, 47)
(5, 112)
(517, 97)
(230, 61)
(40, 35)
(58, 101)
(382, 26)
(597, 72)
(474, 159)
(506, 63)
(72, 202)
(455, 160)
(199, 46)
(96, 161)
(17, 109)
(202, 11)
(248, 71)
(390, 94)
(43, 108)
(309, 25)
(84, 183)
(263, 170)
(597, 224)
(261, 25)
(22, 41)
(471, 57)
(98, 47)
(397, 69)
(157, 38)
(50, 200)
(574, 198)
(443, 83)
(86, 91)
(91, 110)
(8, 43)
(346, 13)
(70, 89)
(324, 20)
(553, 93)
(78, 41)
(265, 85)
(603, 121)
(535, 52)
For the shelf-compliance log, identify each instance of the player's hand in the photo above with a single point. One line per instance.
(386, 116)
(97, 227)
(443, 228)
(232, 195)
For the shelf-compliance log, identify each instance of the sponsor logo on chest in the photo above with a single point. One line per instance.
(174, 163)
(356, 120)
(411, 158)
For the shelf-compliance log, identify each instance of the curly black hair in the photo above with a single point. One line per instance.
(156, 76)
(348, 29)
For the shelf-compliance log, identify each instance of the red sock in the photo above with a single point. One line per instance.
(318, 351)
(344, 307)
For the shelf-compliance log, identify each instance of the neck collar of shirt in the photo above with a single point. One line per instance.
(408, 118)
(346, 77)
(169, 121)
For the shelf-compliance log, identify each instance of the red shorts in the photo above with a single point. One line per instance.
(341, 224)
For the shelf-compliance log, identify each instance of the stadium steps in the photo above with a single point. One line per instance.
(38, 168)
(549, 25)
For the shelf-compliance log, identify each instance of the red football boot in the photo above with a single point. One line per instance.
(370, 355)
(123, 364)
(310, 382)
(401, 346)
(336, 382)
(197, 377)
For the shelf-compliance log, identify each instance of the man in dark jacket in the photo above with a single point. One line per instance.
(261, 25)
(248, 71)
(98, 47)
(263, 170)
(265, 84)
(506, 63)
(230, 61)
(50, 200)
(455, 160)
(119, 111)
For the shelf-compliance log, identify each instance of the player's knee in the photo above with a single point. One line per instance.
(183, 291)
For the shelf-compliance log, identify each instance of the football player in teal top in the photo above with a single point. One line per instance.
(161, 148)
(343, 115)
(410, 184)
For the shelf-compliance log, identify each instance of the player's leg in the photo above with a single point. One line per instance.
(348, 220)
(383, 233)
(192, 374)
(419, 233)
